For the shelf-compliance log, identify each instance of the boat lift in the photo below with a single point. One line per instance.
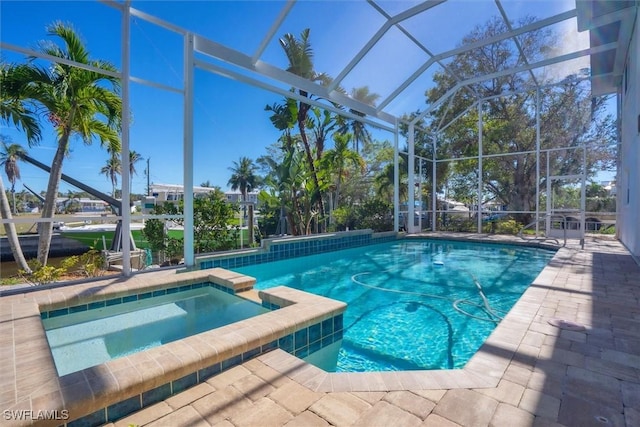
(116, 243)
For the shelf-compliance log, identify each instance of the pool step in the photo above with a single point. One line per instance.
(236, 281)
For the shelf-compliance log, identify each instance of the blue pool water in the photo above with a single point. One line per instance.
(412, 304)
(110, 332)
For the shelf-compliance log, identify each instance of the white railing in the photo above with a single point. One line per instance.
(545, 237)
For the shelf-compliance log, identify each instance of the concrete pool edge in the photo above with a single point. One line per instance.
(34, 385)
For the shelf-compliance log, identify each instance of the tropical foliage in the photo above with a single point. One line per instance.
(307, 170)
(243, 177)
(77, 102)
(211, 215)
(9, 157)
(111, 170)
(15, 109)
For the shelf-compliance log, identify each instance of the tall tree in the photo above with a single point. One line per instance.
(134, 157)
(287, 189)
(77, 102)
(17, 110)
(357, 128)
(9, 157)
(338, 159)
(568, 118)
(111, 170)
(300, 56)
(243, 176)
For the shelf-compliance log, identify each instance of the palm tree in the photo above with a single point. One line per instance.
(359, 130)
(338, 159)
(243, 176)
(71, 198)
(300, 57)
(9, 158)
(77, 102)
(12, 234)
(16, 109)
(111, 170)
(134, 157)
(15, 106)
(384, 180)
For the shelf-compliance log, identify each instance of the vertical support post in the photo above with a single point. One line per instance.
(538, 161)
(618, 177)
(434, 180)
(189, 260)
(240, 221)
(396, 181)
(125, 212)
(148, 176)
(583, 196)
(411, 206)
(252, 237)
(548, 207)
(480, 167)
(420, 194)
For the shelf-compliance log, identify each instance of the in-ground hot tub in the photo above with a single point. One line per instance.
(107, 330)
(294, 321)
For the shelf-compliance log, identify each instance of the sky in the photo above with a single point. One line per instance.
(229, 117)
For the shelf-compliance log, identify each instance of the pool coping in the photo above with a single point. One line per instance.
(31, 382)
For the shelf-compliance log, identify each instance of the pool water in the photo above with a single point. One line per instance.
(110, 332)
(412, 304)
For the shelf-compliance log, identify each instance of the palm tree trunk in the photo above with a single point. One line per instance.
(45, 229)
(338, 186)
(10, 229)
(307, 149)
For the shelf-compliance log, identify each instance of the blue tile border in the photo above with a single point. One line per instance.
(97, 418)
(309, 245)
(123, 408)
(136, 297)
(323, 334)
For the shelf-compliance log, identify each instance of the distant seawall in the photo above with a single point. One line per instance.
(60, 246)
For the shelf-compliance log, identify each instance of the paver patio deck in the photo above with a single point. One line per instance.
(555, 376)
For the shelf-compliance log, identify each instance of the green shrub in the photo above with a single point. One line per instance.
(90, 264)
(42, 274)
(376, 215)
(509, 226)
(607, 230)
(8, 281)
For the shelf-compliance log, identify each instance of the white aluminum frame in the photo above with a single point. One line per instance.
(376, 116)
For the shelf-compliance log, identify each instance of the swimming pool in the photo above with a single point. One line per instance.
(111, 331)
(412, 304)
